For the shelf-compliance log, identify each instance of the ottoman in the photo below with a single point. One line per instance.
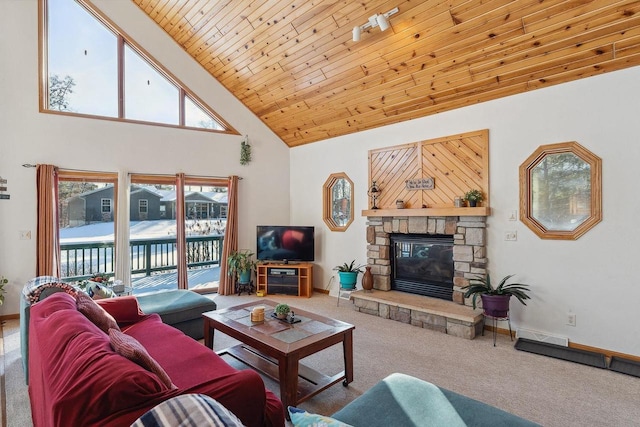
(179, 308)
(402, 400)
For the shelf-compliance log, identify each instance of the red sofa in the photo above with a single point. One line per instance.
(76, 378)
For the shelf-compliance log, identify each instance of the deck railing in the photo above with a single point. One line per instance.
(81, 260)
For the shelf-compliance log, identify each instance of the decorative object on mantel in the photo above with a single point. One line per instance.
(245, 151)
(473, 197)
(420, 184)
(399, 204)
(458, 202)
(374, 193)
(367, 279)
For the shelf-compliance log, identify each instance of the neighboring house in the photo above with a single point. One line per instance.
(93, 206)
(146, 203)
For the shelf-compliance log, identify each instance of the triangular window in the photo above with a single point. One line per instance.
(92, 69)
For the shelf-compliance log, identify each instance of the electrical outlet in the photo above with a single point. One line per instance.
(511, 235)
(571, 319)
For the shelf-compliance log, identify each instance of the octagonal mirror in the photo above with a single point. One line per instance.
(337, 201)
(560, 191)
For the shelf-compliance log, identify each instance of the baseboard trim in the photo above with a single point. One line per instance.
(321, 291)
(9, 317)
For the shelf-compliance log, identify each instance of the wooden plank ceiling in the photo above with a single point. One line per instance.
(294, 64)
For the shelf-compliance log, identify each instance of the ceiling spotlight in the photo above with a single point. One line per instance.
(356, 34)
(381, 21)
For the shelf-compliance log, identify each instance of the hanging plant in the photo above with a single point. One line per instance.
(245, 151)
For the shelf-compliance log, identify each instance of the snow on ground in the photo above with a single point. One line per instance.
(104, 231)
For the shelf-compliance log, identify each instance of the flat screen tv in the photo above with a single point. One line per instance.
(285, 243)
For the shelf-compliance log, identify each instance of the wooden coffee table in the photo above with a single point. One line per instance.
(275, 347)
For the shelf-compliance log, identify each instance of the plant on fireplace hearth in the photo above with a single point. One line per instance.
(500, 294)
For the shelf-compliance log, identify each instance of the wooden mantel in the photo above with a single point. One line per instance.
(477, 211)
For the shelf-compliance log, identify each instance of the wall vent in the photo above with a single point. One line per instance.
(542, 337)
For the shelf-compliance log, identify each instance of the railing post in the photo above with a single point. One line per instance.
(147, 248)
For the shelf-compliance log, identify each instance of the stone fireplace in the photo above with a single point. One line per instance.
(469, 251)
(453, 317)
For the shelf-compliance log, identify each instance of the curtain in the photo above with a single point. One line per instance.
(230, 237)
(47, 239)
(181, 243)
(123, 256)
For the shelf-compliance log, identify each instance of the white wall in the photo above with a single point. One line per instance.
(27, 136)
(592, 277)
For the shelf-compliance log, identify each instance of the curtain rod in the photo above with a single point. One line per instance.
(29, 165)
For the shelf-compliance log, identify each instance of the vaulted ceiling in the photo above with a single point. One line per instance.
(294, 64)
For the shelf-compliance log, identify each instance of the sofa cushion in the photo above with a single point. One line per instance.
(130, 348)
(95, 313)
(125, 309)
(189, 410)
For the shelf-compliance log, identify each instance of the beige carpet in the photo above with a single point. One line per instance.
(545, 390)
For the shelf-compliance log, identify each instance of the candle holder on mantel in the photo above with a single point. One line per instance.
(374, 193)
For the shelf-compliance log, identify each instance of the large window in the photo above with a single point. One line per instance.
(88, 208)
(86, 223)
(92, 68)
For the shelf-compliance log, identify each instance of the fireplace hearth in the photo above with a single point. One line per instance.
(422, 264)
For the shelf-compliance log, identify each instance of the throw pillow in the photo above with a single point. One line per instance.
(131, 348)
(36, 282)
(95, 313)
(46, 289)
(99, 291)
(188, 410)
(302, 418)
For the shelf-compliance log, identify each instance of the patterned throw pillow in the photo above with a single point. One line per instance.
(44, 290)
(98, 291)
(302, 418)
(131, 348)
(95, 313)
(36, 282)
(188, 410)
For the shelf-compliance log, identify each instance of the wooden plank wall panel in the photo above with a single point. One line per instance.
(295, 66)
(458, 163)
(391, 168)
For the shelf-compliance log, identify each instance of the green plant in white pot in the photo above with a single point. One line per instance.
(282, 310)
(348, 273)
(473, 197)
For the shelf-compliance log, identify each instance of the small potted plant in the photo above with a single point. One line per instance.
(241, 264)
(495, 300)
(473, 197)
(348, 273)
(282, 311)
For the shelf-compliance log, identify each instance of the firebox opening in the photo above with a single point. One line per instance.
(422, 264)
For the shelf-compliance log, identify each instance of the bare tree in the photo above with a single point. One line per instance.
(59, 91)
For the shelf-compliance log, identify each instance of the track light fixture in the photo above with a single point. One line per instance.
(381, 21)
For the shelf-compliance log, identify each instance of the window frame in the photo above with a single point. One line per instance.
(103, 205)
(526, 208)
(122, 39)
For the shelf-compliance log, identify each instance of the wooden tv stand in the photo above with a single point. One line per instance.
(289, 279)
